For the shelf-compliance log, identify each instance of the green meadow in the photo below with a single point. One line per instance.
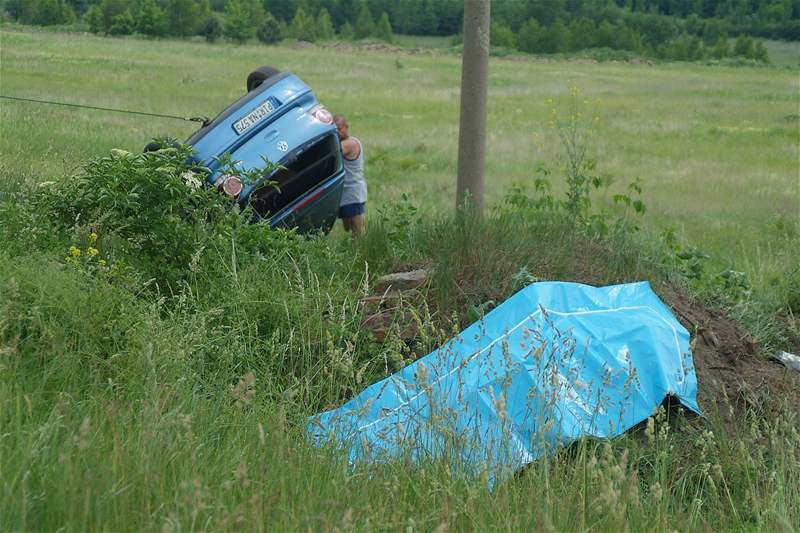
(159, 359)
(717, 149)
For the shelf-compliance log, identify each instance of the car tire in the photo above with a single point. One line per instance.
(152, 147)
(259, 75)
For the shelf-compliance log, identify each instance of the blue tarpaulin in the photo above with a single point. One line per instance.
(555, 362)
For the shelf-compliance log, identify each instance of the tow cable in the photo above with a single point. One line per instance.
(205, 121)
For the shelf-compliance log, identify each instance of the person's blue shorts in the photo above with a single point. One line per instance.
(351, 210)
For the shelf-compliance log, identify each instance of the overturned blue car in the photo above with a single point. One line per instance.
(279, 120)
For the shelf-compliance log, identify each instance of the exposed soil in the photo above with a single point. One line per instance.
(732, 372)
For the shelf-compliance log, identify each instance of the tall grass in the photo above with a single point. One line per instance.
(127, 407)
(130, 412)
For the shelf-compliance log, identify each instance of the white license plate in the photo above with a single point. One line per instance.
(255, 116)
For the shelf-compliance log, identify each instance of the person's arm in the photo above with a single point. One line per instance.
(350, 149)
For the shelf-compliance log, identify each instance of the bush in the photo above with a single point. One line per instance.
(270, 31)
(123, 24)
(94, 18)
(529, 37)
(237, 25)
(211, 28)
(365, 25)
(303, 27)
(151, 20)
(501, 35)
(324, 25)
(346, 32)
(48, 12)
(150, 209)
(744, 47)
(383, 30)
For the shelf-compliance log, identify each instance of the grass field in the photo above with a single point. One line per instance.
(783, 54)
(159, 359)
(716, 148)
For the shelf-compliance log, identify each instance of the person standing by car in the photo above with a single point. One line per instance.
(354, 190)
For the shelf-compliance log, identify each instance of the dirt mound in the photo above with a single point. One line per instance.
(370, 47)
(732, 372)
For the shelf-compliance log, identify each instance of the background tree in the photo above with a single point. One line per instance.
(48, 12)
(346, 32)
(94, 18)
(606, 35)
(582, 34)
(237, 22)
(365, 26)
(639, 25)
(502, 35)
(304, 27)
(123, 24)
(383, 30)
(186, 16)
(20, 10)
(721, 49)
(744, 47)
(281, 9)
(760, 52)
(556, 38)
(427, 22)
(346, 11)
(450, 16)
(211, 28)
(255, 11)
(112, 8)
(713, 31)
(529, 37)
(694, 48)
(151, 19)
(270, 31)
(324, 29)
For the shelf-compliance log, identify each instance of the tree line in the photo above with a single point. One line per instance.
(675, 29)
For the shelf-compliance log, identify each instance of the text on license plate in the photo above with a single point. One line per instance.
(255, 116)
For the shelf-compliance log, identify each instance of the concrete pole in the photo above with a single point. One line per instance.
(472, 126)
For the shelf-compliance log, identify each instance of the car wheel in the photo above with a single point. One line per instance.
(258, 76)
(152, 147)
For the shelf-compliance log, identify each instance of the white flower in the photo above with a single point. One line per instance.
(190, 179)
(120, 153)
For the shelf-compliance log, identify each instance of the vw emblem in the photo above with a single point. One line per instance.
(283, 146)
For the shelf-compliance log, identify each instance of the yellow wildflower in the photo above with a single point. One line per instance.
(91, 252)
(74, 251)
(102, 262)
(93, 237)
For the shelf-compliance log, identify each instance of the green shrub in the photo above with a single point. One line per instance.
(211, 28)
(237, 26)
(502, 35)
(383, 30)
(151, 209)
(303, 27)
(123, 24)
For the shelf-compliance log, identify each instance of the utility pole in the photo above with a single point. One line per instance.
(474, 89)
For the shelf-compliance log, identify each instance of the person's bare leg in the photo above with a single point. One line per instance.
(346, 223)
(357, 224)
